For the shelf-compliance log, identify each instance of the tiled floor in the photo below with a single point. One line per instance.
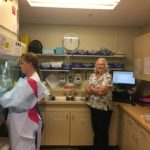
(59, 148)
(73, 148)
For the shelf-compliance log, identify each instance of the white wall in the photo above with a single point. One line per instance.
(118, 39)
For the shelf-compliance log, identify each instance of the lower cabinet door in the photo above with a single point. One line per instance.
(57, 128)
(81, 129)
(114, 127)
(143, 140)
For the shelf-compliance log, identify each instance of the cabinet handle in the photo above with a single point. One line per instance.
(130, 120)
(138, 139)
(72, 117)
(67, 117)
(134, 137)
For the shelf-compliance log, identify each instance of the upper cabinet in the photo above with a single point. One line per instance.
(142, 57)
(9, 15)
(138, 57)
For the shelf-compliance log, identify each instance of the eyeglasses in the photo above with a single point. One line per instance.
(101, 64)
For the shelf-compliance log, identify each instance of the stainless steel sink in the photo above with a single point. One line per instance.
(60, 98)
(69, 98)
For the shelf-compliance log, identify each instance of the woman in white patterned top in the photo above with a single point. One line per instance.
(100, 101)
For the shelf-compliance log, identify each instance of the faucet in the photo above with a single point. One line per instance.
(70, 96)
(73, 92)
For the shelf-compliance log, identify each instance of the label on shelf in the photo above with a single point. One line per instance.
(10, 47)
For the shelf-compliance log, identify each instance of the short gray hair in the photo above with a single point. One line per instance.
(105, 62)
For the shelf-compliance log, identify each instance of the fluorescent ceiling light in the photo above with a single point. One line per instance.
(81, 4)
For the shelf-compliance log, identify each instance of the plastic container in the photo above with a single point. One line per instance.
(146, 117)
(59, 51)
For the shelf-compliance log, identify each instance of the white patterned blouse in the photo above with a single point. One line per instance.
(102, 102)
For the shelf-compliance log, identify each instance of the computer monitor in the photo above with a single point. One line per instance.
(123, 78)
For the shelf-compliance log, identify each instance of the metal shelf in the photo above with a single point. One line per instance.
(7, 56)
(93, 68)
(94, 56)
(52, 55)
(82, 68)
(54, 70)
(59, 70)
(97, 56)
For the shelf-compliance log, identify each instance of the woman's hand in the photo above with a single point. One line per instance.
(43, 101)
(101, 90)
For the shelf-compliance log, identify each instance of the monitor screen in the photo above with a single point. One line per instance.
(123, 77)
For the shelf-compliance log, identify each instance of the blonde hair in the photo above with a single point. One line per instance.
(105, 63)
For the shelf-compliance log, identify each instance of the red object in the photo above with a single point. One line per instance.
(13, 10)
(146, 99)
(32, 113)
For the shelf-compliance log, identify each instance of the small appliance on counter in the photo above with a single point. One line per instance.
(124, 86)
(143, 101)
(142, 96)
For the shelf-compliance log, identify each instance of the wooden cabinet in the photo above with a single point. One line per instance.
(132, 136)
(128, 134)
(9, 15)
(71, 125)
(57, 128)
(142, 57)
(146, 57)
(114, 126)
(143, 140)
(65, 125)
(122, 133)
(81, 129)
(138, 57)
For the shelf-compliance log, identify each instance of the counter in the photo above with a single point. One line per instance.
(4, 143)
(62, 102)
(66, 120)
(136, 112)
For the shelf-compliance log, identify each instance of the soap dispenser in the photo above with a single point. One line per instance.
(77, 79)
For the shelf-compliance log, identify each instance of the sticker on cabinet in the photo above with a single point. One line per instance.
(138, 66)
(147, 65)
